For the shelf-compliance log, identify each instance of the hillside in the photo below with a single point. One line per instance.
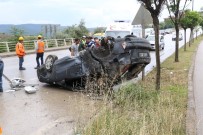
(29, 29)
(32, 29)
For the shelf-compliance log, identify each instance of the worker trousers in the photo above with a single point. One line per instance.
(40, 56)
(21, 60)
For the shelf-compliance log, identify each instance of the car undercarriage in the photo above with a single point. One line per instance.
(120, 59)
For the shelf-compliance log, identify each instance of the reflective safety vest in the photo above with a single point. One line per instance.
(40, 45)
(20, 51)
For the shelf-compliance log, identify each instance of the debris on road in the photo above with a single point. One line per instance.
(10, 91)
(30, 89)
(18, 84)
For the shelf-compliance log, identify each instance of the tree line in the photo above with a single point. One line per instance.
(74, 31)
(179, 17)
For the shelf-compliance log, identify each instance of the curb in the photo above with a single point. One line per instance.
(191, 114)
(10, 54)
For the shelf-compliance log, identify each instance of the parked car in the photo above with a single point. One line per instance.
(174, 36)
(151, 39)
(149, 31)
(122, 58)
(162, 32)
(168, 31)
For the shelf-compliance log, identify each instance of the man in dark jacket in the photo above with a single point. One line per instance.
(106, 42)
(90, 42)
(1, 73)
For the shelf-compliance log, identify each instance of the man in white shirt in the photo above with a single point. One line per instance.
(74, 47)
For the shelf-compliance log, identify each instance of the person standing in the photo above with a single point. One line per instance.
(82, 45)
(74, 47)
(20, 51)
(90, 42)
(97, 42)
(39, 47)
(1, 74)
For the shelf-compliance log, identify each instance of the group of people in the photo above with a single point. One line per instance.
(39, 47)
(84, 43)
(20, 51)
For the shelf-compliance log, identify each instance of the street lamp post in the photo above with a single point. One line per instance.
(192, 5)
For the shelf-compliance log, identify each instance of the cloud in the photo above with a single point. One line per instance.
(68, 12)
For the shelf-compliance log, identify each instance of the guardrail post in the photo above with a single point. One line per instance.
(34, 44)
(56, 42)
(65, 42)
(7, 47)
(46, 44)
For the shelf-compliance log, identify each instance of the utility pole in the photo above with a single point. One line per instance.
(192, 5)
(51, 31)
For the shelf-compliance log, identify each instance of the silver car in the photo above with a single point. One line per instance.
(174, 36)
(151, 39)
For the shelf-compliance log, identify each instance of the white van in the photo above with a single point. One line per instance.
(121, 28)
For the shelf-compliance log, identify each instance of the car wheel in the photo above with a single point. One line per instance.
(49, 62)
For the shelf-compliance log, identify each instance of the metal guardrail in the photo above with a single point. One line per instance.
(30, 45)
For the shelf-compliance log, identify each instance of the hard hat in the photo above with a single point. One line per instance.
(39, 36)
(20, 38)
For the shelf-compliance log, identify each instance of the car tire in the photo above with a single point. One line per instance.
(49, 62)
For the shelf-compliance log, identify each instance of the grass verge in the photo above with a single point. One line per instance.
(138, 109)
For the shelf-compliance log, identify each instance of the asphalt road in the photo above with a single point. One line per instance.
(51, 110)
(168, 50)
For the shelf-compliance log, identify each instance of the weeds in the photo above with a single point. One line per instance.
(138, 109)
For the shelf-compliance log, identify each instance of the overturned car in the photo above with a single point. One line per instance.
(118, 59)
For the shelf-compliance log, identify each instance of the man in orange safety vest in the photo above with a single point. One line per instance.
(20, 51)
(39, 47)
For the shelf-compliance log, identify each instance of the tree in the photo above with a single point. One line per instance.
(184, 24)
(174, 8)
(99, 30)
(168, 24)
(77, 31)
(82, 28)
(194, 19)
(16, 32)
(162, 25)
(155, 7)
(61, 35)
(201, 23)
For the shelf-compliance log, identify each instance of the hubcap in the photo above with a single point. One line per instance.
(49, 63)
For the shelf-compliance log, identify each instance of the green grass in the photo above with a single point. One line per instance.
(138, 109)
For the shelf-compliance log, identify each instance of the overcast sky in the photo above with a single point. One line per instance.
(68, 12)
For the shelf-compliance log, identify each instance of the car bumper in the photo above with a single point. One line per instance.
(145, 60)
